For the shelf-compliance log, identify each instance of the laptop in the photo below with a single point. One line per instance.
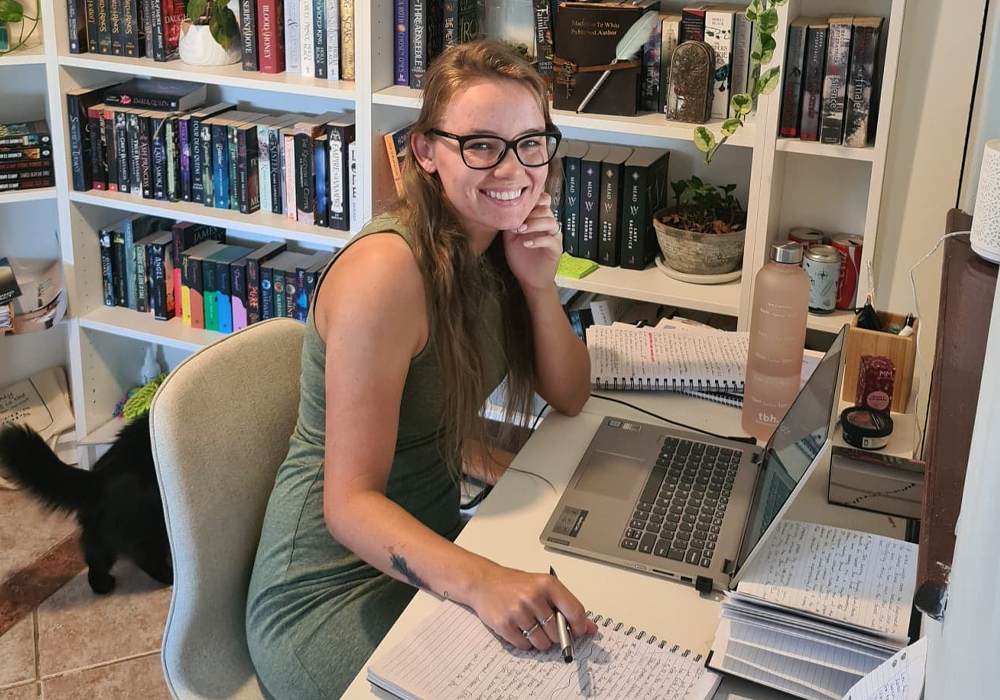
(680, 505)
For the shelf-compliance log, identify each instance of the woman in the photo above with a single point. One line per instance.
(415, 322)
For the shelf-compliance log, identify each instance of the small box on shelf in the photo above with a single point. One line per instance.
(901, 350)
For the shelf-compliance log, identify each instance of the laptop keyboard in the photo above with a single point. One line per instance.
(679, 513)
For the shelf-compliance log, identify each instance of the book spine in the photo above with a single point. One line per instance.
(278, 309)
(340, 137)
(571, 211)
(223, 303)
(347, 39)
(174, 12)
(741, 54)
(275, 153)
(184, 156)
(130, 29)
(812, 83)
(110, 147)
(719, 35)
(634, 214)
(145, 157)
(173, 159)
(91, 12)
(119, 272)
(291, 285)
(98, 162)
(669, 34)
(79, 144)
(146, 23)
(185, 296)
(141, 283)
(196, 297)
(319, 38)
(238, 294)
(117, 40)
(609, 243)
(838, 53)
(107, 270)
(162, 277)
(861, 89)
(450, 22)
(692, 25)
(76, 23)
(305, 192)
(134, 157)
(333, 47)
(266, 293)
(590, 185)
(128, 241)
(122, 153)
(194, 135)
(220, 165)
(418, 43)
(307, 50)
(234, 192)
(291, 176)
(252, 171)
(791, 98)
(264, 166)
(544, 48)
(354, 203)
(253, 290)
(248, 30)
(208, 294)
(649, 93)
(207, 166)
(321, 157)
(271, 39)
(158, 151)
(401, 43)
(293, 59)
(299, 295)
(157, 30)
(104, 27)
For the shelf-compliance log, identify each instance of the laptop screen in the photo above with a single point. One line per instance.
(796, 441)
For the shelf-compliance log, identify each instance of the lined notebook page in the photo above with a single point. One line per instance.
(899, 678)
(643, 358)
(854, 577)
(453, 655)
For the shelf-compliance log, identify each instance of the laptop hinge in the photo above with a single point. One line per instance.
(703, 584)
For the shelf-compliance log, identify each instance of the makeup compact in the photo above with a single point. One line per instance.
(866, 428)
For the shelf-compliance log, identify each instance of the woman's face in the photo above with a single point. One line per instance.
(487, 201)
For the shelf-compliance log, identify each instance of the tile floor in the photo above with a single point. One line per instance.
(75, 645)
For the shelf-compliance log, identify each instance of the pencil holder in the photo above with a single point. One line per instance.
(901, 350)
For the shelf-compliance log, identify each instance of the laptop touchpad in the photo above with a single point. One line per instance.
(612, 475)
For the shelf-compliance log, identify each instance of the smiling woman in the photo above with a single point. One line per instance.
(416, 321)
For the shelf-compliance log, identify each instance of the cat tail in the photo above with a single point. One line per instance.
(29, 462)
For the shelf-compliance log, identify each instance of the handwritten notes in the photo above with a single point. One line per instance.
(899, 678)
(451, 655)
(639, 358)
(858, 578)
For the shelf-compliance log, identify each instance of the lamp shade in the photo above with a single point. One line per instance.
(985, 236)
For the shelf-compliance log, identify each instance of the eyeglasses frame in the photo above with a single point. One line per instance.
(507, 146)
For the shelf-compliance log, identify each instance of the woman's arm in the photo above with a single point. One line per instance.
(487, 464)
(562, 364)
(371, 313)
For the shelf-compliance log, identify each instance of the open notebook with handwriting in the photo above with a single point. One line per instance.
(452, 654)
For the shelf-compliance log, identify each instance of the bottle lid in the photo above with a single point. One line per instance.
(787, 253)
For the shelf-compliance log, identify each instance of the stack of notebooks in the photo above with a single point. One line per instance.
(819, 610)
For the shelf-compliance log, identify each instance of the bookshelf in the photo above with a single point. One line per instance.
(784, 183)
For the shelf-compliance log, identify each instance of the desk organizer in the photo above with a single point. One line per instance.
(902, 352)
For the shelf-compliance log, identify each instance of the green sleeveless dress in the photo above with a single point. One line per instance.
(316, 611)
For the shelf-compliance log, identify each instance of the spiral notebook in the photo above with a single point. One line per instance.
(452, 654)
(642, 359)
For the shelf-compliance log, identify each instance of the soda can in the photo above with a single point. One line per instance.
(822, 265)
(849, 246)
(806, 236)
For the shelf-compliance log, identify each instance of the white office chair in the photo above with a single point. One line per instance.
(220, 425)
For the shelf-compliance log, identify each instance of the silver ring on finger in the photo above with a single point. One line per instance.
(546, 620)
(527, 633)
(558, 231)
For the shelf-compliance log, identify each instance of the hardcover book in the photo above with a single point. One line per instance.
(590, 187)
(742, 44)
(838, 53)
(575, 151)
(862, 96)
(587, 35)
(271, 39)
(157, 93)
(645, 193)
(612, 180)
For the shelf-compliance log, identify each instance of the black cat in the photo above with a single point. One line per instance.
(117, 504)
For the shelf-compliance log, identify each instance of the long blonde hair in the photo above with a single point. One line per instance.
(455, 278)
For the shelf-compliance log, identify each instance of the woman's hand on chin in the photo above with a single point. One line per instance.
(533, 249)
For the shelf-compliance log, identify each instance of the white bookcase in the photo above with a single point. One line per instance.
(784, 183)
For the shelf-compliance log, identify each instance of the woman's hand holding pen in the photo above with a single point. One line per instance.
(513, 603)
(533, 249)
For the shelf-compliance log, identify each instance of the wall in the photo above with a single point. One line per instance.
(937, 66)
(986, 115)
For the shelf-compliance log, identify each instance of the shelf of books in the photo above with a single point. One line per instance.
(142, 326)
(32, 55)
(828, 150)
(654, 286)
(262, 223)
(228, 76)
(36, 195)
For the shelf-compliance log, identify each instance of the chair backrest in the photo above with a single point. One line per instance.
(220, 425)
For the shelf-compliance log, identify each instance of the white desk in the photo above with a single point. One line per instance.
(508, 523)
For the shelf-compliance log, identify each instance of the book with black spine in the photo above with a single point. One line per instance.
(611, 200)
(115, 19)
(145, 156)
(133, 29)
(340, 132)
(426, 37)
(123, 158)
(134, 155)
(248, 35)
(254, 261)
(90, 15)
(791, 93)
(110, 146)
(76, 22)
(319, 30)
(157, 93)
(644, 193)
(103, 16)
(575, 151)
(201, 150)
(78, 104)
(812, 80)
(838, 56)
(98, 152)
(862, 87)
(590, 199)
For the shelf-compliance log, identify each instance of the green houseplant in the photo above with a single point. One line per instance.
(765, 15)
(207, 20)
(12, 12)
(704, 231)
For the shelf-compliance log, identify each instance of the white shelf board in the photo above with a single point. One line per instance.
(644, 124)
(831, 323)
(233, 75)
(142, 326)
(35, 195)
(33, 55)
(654, 286)
(828, 150)
(264, 223)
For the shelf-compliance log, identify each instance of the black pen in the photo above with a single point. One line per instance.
(564, 639)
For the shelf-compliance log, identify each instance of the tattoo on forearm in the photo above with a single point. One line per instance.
(400, 566)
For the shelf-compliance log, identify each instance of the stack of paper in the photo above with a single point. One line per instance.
(818, 610)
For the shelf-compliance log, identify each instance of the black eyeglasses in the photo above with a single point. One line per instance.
(483, 151)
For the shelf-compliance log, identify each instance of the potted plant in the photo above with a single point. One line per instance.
(209, 34)
(704, 232)
(12, 13)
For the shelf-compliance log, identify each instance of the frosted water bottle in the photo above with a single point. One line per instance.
(778, 319)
